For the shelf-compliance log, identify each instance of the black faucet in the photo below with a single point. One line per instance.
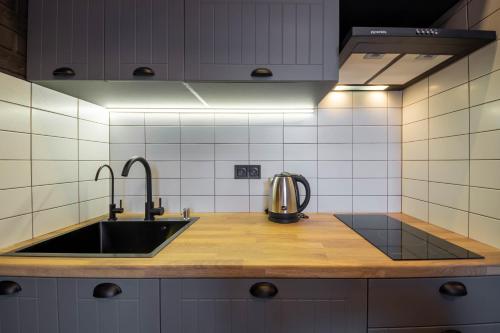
(112, 207)
(150, 210)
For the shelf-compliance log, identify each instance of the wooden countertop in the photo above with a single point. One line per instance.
(247, 245)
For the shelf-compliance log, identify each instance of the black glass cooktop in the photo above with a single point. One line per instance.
(400, 241)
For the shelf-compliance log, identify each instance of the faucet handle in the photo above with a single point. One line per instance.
(121, 204)
(159, 202)
(186, 214)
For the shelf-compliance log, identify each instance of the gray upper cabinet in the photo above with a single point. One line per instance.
(66, 39)
(109, 305)
(286, 39)
(294, 306)
(144, 39)
(28, 305)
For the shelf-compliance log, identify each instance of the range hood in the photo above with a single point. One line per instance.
(398, 57)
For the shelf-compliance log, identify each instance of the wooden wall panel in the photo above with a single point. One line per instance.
(13, 26)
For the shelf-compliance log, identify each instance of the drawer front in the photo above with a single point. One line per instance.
(484, 328)
(420, 302)
(228, 305)
(119, 305)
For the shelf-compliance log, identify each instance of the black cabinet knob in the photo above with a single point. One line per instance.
(144, 72)
(262, 72)
(9, 288)
(63, 72)
(107, 290)
(453, 288)
(263, 290)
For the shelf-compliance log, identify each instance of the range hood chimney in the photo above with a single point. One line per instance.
(398, 57)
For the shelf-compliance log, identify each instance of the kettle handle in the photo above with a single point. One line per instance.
(301, 179)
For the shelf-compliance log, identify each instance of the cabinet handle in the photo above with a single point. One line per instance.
(451, 331)
(263, 290)
(144, 72)
(63, 72)
(453, 288)
(107, 290)
(262, 72)
(9, 288)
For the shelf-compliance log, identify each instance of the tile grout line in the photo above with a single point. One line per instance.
(31, 161)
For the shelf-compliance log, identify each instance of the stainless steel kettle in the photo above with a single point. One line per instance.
(284, 198)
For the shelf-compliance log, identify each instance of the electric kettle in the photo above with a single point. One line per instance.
(284, 198)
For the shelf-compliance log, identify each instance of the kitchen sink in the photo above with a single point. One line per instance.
(110, 239)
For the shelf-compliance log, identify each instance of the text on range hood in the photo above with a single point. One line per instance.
(399, 57)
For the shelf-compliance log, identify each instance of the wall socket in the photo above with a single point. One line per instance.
(247, 172)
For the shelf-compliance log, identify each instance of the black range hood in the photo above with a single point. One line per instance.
(398, 57)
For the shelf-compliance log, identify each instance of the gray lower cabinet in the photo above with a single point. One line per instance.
(28, 305)
(288, 39)
(433, 301)
(109, 305)
(65, 40)
(281, 305)
(481, 328)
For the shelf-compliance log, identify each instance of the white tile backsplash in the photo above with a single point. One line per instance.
(370, 116)
(15, 229)
(15, 202)
(231, 134)
(14, 117)
(192, 155)
(300, 151)
(15, 90)
(266, 134)
(42, 138)
(49, 123)
(15, 174)
(52, 172)
(197, 169)
(14, 146)
(50, 220)
(92, 131)
(163, 134)
(460, 155)
(50, 196)
(335, 134)
(127, 134)
(120, 151)
(53, 148)
(337, 116)
(300, 134)
(231, 152)
(50, 100)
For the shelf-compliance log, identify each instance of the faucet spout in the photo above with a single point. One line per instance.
(150, 210)
(112, 206)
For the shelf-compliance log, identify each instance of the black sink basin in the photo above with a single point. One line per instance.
(110, 239)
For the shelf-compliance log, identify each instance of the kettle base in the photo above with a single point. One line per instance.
(283, 218)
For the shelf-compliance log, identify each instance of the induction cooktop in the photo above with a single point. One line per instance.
(401, 241)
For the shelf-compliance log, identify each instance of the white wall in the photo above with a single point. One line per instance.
(451, 135)
(349, 149)
(50, 146)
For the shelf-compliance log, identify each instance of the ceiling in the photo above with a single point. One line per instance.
(391, 13)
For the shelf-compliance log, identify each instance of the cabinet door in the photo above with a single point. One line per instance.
(227, 306)
(66, 39)
(28, 305)
(294, 39)
(145, 38)
(135, 310)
